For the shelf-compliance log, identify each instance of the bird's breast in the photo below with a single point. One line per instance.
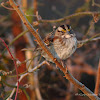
(65, 48)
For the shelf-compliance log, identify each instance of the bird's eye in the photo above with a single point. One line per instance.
(58, 31)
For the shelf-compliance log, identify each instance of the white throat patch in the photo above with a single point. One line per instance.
(66, 36)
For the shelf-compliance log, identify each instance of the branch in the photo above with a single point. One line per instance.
(68, 76)
(38, 66)
(83, 42)
(70, 16)
(14, 64)
(95, 4)
(13, 91)
(24, 75)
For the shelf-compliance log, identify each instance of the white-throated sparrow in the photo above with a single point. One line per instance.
(62, 43)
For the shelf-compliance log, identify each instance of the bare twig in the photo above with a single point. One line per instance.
(14, 64)
(70, 16)
(83, 42)
(24, 75)
(4, 73)
(2, 4)
(13, 91)
(68, 76)
(35, 68)
(96, 91)
(95, 4)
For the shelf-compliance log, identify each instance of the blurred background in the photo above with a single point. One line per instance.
(47, 82)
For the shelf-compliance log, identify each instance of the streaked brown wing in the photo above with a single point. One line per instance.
(49, 38)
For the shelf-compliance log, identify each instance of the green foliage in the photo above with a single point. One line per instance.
(29, 15)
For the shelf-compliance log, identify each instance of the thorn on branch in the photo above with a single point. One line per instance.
(37, 30)
(25, 23)
(66, 71)
(54, 59)
(35, 40)
(35, 23)
(83, 86)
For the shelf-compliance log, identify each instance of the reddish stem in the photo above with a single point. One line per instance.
(14, 64)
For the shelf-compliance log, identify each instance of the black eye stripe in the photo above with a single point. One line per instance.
(63, 26)
(60, 31)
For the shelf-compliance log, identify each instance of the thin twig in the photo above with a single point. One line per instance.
(83, 42)
(14, 64)
(68, 17)
(13, 91)
(35, 68)
(24, 75)
(2, 4)
(95, 4)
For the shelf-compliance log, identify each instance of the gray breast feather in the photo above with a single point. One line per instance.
(60, 51)
(67, 50)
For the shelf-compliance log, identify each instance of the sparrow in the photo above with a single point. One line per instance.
(62, 43)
